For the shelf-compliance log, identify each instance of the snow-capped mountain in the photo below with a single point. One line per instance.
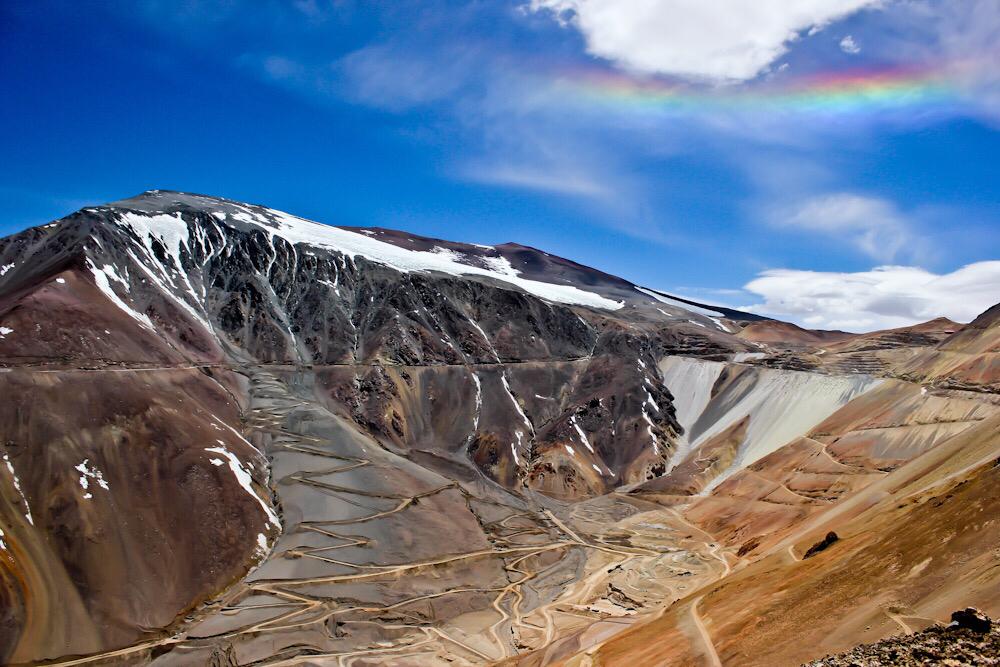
(196, 387)
(210, 281)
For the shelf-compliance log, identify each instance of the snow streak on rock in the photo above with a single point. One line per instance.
(103, 277)
(17, 487)
(583, 436)
(245, 480)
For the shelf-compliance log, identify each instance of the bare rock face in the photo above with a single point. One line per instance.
(130, 494)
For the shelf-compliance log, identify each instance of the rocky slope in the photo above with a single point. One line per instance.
(128, 332)
(302, 443)
(955, 644)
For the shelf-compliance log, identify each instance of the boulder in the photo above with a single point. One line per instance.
(971, 619)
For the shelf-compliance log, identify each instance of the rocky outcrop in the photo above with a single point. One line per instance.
(971, 618)
(961, 643)
(822, 545)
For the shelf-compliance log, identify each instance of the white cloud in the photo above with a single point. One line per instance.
(848, 45)
(717, 40)
(533, 178)
(873, 225)
(882, 298)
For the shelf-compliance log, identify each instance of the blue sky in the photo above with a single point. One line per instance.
(750, 154)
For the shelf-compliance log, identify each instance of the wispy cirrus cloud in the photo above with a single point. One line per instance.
(533, 177)
(508, 99)
(391, 76)
(872, 225)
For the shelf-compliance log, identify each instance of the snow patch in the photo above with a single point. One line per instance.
(232, 430)
(170, 230)
(245, 480)
(298, 230)
(260, 553)
(331, 285)
(479, 403)
(90, 472)
(722, 326)
(649, 430)
(485, 337)
(5, 268)
(169, 291)
(680, 304)
(261, 549)
(448, 254)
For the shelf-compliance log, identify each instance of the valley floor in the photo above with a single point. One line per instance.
(466, 573)
(445, 573)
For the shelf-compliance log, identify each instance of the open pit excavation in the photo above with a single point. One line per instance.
(231, 436)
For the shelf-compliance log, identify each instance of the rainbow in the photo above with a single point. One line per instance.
(835, 93)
